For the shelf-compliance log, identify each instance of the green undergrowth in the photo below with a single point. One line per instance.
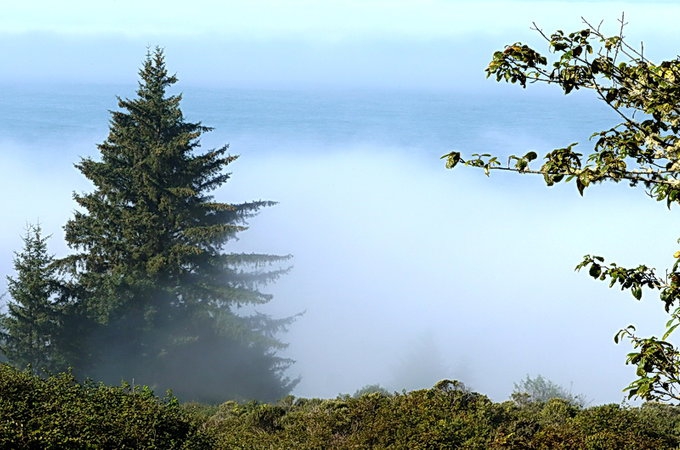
(448, 416)
(59, 412)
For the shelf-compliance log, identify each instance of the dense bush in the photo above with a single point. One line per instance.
(447, 416)
(58, 413)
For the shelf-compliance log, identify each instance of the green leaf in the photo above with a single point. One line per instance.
(595, 270)
(637, 292)
(580, 186)
(670, 331)
(452, 159)
(530, 156)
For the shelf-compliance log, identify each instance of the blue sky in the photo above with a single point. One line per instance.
(397, 43)
(316, 20)
(525, 310)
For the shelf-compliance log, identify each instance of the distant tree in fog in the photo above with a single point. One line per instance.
(539, 390)
(370, 389)
(151, 295)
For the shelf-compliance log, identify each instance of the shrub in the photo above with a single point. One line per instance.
(58, 412)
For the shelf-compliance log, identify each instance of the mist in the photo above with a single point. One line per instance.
(406, 273)
(409, 274)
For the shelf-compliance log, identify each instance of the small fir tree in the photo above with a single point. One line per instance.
(154, 296)
(29, 330)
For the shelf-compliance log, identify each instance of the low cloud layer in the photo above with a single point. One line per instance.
(407, 273)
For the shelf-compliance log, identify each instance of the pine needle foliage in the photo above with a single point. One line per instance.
(153, 295)
(30, 328)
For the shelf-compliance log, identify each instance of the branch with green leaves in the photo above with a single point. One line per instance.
(657, 366)
(643, 148)
(563, 164)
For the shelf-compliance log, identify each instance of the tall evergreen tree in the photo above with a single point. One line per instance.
(29, 331)
(153, 291)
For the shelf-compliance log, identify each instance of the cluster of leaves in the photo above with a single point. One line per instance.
(642, 149)
(447, 416)
(57, 412)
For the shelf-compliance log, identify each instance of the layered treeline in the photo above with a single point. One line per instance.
(57, 412)
(149, 293)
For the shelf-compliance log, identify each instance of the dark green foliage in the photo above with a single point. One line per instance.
(447, 416)
(58, 413)
(151, 294)
(29, 332)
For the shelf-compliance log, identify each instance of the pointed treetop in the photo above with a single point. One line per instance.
(154, 75)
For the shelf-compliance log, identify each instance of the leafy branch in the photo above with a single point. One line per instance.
(642, 149)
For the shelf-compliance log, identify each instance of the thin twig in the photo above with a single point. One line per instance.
(638, 177)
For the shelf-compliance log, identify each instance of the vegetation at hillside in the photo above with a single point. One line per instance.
(149, 292)
(57, 412)
(448, 416)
